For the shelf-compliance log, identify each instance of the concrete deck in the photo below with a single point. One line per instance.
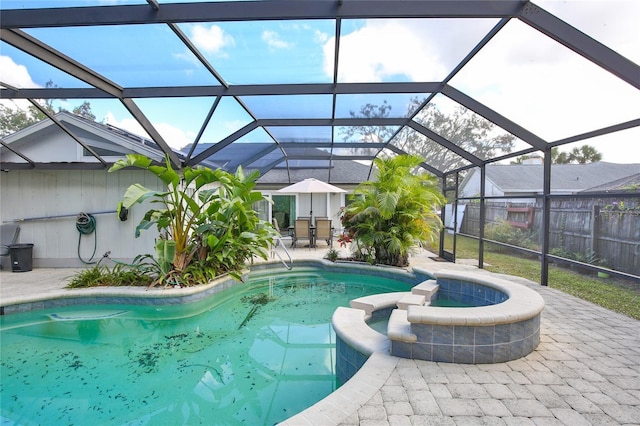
(586, 370)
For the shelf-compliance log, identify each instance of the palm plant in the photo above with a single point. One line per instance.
(393, 214)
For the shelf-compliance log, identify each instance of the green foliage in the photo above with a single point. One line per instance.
(394, 213)
(332, 255)
(461, 126)
(119, 275)
(503, 232)
(584, 257)
(14, 117)
(578, 155)
(205, 218)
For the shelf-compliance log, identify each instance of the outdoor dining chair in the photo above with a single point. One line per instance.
(324, 231)
(301, 231)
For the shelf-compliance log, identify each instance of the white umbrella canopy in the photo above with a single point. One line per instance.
(311, 186)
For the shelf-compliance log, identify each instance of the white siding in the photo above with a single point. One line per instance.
(44, 193)
(471, 187)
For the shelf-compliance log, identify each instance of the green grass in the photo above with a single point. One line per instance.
(614, 294)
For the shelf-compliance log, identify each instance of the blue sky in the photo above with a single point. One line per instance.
(521, 74)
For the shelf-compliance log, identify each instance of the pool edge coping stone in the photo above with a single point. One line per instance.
(523, 303)
(347, 399)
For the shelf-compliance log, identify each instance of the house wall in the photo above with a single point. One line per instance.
(28, 194)
(471, 187)
(51, 145)
(323, 205)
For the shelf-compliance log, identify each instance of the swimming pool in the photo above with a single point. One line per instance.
(256, 353)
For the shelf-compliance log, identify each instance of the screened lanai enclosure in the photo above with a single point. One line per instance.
(527, 112)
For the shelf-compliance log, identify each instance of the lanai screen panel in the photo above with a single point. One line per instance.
(545, 87)
(217, 72)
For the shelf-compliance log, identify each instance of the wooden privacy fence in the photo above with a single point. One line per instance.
(589, 229)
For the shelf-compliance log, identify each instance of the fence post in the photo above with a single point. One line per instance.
(595, 228)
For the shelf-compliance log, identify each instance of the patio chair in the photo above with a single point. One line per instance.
(8, 235)
(301, 231)
(324, 232)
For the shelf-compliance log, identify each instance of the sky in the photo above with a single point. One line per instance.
(521, 74)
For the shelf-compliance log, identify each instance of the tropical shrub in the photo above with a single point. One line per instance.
(205, 218)
(395, 213)
(503, 232)
(119, 275)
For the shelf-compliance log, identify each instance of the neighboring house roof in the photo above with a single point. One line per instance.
(629, 183)
(318, 164)
(342, 173)
(565, 178)
(46, 142)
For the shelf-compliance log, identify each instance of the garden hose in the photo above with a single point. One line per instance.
(86, 225)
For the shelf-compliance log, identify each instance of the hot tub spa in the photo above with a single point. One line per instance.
(501, 324)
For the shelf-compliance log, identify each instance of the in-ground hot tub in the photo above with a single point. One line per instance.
(501, 324)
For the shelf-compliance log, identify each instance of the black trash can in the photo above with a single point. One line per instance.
(21, 257)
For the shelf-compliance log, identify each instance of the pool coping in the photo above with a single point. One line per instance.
(522, 304)
(348, 398)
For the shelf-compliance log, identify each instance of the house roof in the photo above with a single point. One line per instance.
(565, 178)
(629, 183)
(342, 173)
(106, 138)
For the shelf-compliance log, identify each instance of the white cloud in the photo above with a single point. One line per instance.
(212, 39)
(382, 49)
(612, 22)
(14, 74)
(320, 37)
(274, 41)
(17, 76)
(175, 137)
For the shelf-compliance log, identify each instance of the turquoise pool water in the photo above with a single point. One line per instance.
(228, 359)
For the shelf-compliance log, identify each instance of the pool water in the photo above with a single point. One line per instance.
(256, 353)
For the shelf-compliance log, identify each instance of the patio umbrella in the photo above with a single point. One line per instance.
(311, 186)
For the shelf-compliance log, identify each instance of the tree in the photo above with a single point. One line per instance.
(14, 118)
(578, 155)
(369, 133)
(584, 154)
(392, 214)
(461, 126)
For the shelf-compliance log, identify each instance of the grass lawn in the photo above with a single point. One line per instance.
(614, 294)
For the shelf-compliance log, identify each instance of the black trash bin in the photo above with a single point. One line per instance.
(21, 257)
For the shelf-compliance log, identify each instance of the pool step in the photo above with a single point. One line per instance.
(411, 299)
(399, 328)
(377, 302)
(421, 294)
(427, 288)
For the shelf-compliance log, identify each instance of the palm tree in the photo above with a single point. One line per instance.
(584, 154)
(391, 215)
